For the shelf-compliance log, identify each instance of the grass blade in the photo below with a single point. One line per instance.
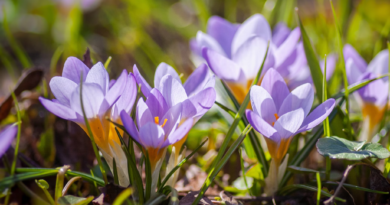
(319, 188)
(221, 163)
(123, 196)
(161, 187)
(115, 172)
(356, 187)
(290, 188)
(314, 65)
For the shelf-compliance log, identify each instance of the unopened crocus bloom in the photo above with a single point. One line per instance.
(236, 57)
(197, 95)
(100, 100)
(7, 135)
(279, 115)
(372, 97)
(158, 127)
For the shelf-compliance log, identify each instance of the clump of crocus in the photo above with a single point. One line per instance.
(279, 115)
(101, 99)
(235, 52)
(158, 127)
(6, 137)
(197, 95)
(372, 97)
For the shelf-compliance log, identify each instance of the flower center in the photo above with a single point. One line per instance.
(276, 118)
(157, 121)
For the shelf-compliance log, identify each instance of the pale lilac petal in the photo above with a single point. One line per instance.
(287, 48)
(223, 67)
(99, 75)
(353, 72)
(262, 126)
(118, 88)
(274, 84)
(380, 64)
(92, 99)
(143, 114)
(58, 109)
(197, 80)
(289, 123)
(350, 53)
(317, 115)
(280, 34)
(206, 41)
(300, 97)
(111, 83)
(202, 101)
(255, 25)
(151, 135)
(179, 133)
(172, 90)
(375, 92)
(129, 125)
(62, 89)
(145, 87)
(73, 68)
(249, 56)
(222, 31)
(171, 118)
(162, 70)
(263, 104)
(7, 135)
(330, 65)
(156, 103)
(129, 94)
(195, 47)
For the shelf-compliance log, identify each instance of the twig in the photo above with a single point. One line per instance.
(331, 199)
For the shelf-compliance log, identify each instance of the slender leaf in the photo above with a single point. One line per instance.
(314, 65)
(357, 187)
(319, 187)
(211, 176)
(123, 196)
(115, 172)
(179, 165)
(293, 187)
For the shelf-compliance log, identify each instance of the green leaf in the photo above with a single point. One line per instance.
(339, 148)
(255, 172)
(301, 169)
(74, 200)
(240, 184)
(356, 187)
(312, 61)
(179, 165)
(124, 195)
(42, 183)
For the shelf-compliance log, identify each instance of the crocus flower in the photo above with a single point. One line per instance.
(372, 97)
(158, 127)
(238, 66)
(6, 137)
(197, 95)
(100, 101)
(279, 115)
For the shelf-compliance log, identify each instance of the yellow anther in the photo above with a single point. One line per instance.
(165, 121)
(157, 120)
(276, 118)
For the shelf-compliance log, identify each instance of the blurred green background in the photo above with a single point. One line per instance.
(44, 33)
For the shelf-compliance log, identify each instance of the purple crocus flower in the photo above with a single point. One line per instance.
(279, 115)
(197, 94)
(158, 127)
(238, 66)
(100, 101)
(372, 97)
(195, 97)
(7, 135)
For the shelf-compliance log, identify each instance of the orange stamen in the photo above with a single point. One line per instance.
(165, 121)
(157, 120)
(276, 118)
